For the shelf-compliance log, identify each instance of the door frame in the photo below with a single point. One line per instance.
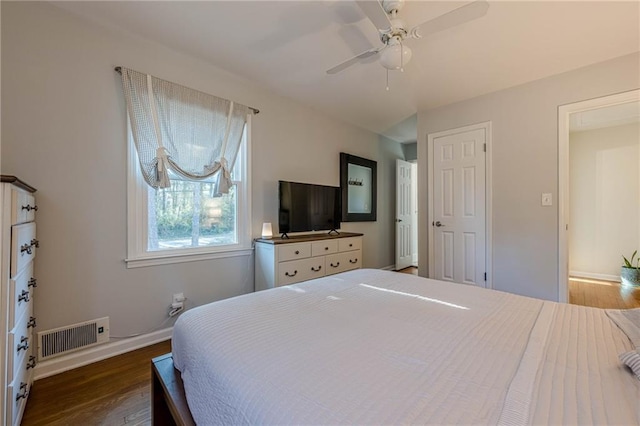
(486, 126)
(564, 114)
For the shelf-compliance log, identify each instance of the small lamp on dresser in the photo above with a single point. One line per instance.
(267, 231)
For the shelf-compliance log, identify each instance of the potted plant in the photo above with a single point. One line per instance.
(630, 274)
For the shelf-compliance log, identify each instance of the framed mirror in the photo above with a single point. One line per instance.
(359, 188)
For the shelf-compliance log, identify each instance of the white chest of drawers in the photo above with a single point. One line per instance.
(19, 245)
(300, 258)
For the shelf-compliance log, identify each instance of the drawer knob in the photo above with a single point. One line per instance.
(32, 322)
(297, 252)
(32, 282)
(291, 275)
(353, 261)
(24, 392)
(24, 344)
(24, 296)
(326, 248)
(350, 245)
(336, 265)
(25, 247)
(29, 208)
(32, 362)
(316, 270)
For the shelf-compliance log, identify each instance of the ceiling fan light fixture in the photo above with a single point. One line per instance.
(395, 57)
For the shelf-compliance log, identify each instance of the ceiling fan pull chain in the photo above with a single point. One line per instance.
(401, 57)
(387, 79)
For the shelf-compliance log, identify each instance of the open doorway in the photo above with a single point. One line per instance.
(406, 216)
(599, 199)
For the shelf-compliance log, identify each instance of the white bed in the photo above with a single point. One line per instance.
(377, 347)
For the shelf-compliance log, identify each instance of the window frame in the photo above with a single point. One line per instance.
(137, 214)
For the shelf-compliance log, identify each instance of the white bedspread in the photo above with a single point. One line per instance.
(370, 346)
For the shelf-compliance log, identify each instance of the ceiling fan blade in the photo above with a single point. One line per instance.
(375, 12)
(354, 60)
(457, 16)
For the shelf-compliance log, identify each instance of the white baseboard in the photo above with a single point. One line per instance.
(389, 268)
(594, 276)
(98, 353)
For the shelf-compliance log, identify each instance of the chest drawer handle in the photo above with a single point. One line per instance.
(316, 270)
(32, 362)
(32, 322)
(350, 245)
(24, 344)
(24, 392)
(25, 247)
(32, 283)
(297, 252)
(24, 296)
(353, 261)
(291, 275)
(326, 248)
(336, 265)
(29, 208)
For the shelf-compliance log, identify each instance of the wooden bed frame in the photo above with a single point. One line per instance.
(168, 400)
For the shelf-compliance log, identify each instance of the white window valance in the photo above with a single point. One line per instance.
(194, 134)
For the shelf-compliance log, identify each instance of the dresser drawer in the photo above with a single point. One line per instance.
(23, 246)
(348, 244)
(300, 270)
(19, 344)
(20, 295)
(341, 262)
(18, 391)
(293, 251)
(320, 248)
(23, 207)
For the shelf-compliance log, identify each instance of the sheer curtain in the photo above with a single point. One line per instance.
(194, 134)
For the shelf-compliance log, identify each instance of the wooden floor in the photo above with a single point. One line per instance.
(115, 391)
(603, 294)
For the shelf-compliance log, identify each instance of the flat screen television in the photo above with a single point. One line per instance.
(306, 207)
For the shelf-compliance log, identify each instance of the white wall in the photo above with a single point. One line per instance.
(525, 164)
(64, 132)
(605, 199)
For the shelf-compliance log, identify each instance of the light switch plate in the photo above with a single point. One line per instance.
(547, 199)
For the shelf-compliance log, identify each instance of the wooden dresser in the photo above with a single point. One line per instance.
(304, 257)
(19, 244)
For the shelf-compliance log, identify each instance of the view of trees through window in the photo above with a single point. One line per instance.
(188, 215)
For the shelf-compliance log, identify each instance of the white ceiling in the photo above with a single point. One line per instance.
(286, 46)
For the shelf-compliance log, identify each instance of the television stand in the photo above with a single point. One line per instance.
(282, 261)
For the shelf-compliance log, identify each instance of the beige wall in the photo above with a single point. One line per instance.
(524, 155)
(63, 131)
(605, 199)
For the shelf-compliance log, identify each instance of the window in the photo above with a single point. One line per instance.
(185, 222)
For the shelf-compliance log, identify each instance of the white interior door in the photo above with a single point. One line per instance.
(404, 215)
(459, 206)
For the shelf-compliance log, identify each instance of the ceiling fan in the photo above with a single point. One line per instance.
(394, 54)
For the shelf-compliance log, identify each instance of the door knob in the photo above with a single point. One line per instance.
(398, 220)
(437, 224)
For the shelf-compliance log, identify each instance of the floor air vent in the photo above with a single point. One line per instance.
(60, 341)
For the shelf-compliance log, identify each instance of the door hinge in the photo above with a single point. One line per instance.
(485, 276)
(484, 147)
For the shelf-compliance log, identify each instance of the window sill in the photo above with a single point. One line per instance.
(166, 259)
